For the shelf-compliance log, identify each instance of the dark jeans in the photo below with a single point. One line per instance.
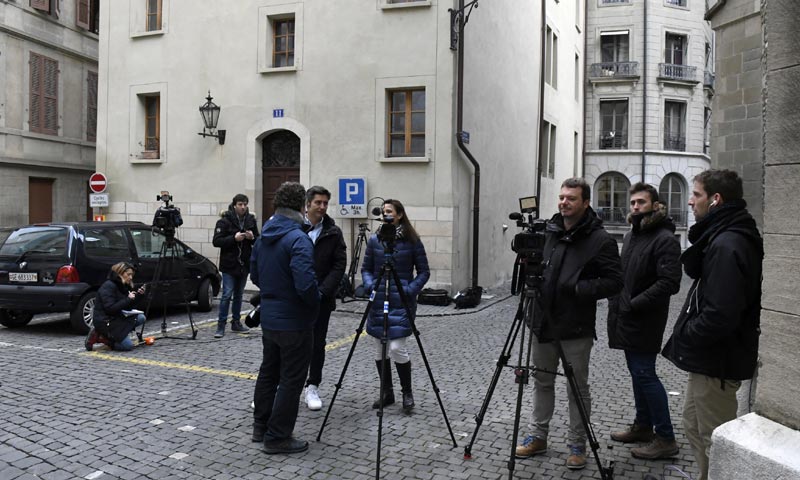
(280, 380)
(232, 291)
(652, 408)
(318, 350)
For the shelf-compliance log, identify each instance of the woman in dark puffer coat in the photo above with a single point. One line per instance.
(111, 325)
(409, 255)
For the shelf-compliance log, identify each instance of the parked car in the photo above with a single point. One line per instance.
(58, 267)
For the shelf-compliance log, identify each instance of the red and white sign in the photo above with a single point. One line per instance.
(98, 182)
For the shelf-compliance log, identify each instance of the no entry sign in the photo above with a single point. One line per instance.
(98, 182)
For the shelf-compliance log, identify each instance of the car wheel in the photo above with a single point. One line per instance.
(14, 318)
(205, 296)
(81, 318)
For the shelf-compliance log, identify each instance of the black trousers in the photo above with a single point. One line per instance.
(280, 380)
(318, 350)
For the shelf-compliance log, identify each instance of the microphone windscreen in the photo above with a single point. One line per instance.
(376, 211)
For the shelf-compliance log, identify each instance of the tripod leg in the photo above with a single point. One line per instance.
(502, 361)
(154, 285)
(338, 384)
(414, 330)
(522, 374)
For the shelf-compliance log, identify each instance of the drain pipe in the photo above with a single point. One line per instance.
(476, 200)
(644, 95)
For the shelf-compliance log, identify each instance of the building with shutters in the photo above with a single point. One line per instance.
(318, 90)
(650, 73)
(48, 109)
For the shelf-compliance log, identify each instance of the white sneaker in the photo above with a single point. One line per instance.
(253, 404)
(312, 398)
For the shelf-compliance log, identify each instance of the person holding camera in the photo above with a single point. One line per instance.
(111, 323)
(330, 261)
(234, 235)
(409, 256)
(581, 266)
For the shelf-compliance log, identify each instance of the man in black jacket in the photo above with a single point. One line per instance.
(715, 338)
(582, 266)
(637, 317)
(234, 235)
(330, 261)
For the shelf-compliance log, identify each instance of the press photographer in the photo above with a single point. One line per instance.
(581, 266)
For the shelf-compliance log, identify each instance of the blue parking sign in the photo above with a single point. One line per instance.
(352, 197)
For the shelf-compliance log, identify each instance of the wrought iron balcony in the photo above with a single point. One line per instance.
(708, 80)
(613, 139)
(683, 73)
(612, 70)
(612, 215)
(675, 142)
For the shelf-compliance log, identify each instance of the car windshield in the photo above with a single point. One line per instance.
(36, 240)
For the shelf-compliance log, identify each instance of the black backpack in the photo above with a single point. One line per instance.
(434, 296)
(469, 297)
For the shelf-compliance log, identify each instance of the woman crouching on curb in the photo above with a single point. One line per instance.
(111, 325)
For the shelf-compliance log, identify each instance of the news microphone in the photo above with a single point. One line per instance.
(376, 211)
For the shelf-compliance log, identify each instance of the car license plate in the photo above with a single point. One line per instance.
(22, 277)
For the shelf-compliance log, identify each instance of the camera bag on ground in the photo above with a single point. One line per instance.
(434, 296)
(469, 297)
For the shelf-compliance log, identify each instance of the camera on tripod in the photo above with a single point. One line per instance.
(529, 243)
(168, 217)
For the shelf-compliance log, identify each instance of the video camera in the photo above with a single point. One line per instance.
(167, 217)
(529, 243)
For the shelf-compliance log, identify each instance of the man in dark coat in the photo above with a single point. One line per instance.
(582, 266)
(282, 266)
(637, 317)
(330, 261)
(234, 235)
(715, 338)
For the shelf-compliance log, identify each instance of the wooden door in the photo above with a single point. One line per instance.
(40, 200)
(280, 162)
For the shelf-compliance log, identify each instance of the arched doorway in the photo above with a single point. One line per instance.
(280, 162)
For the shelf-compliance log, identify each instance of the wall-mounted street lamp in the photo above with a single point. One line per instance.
(210, 113)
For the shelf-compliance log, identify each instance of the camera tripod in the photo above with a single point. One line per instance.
(529, 292)
(167, 258)
(347, 287)
(385, 276)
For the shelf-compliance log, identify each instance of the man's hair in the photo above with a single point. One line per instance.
(577, 182)
(240, 197)
(316, 190)
(290, 195)
(725, 182)
(645, 187)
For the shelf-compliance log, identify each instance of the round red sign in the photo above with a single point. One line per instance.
(98, 182)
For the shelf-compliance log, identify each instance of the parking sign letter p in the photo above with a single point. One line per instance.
(352, 189)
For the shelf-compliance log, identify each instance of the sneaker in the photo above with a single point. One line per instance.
(220, 332)
(285, 445)
(92, 338)
(237, 327)
(659, 448)
(531, 445)
(312, 398)
(635, 433)
(577, 457)
(253, 404)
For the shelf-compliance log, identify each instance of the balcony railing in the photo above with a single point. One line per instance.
(675, 142)
(612, 215)
(679, 216)
(708, 80)
(614, 70)
(613, 139)
(677, 72)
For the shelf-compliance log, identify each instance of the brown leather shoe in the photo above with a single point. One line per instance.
(531, 446)
(634, 434)
(577, 457)
(659, 448)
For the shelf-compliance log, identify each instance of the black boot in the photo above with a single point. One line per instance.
(404, 372)
(388, 389)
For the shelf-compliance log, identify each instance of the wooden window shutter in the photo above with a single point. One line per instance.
(43, 5)
(83, 13)
(91, 108)
(50, 97)
(35, 108)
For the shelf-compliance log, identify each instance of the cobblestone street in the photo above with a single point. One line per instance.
(181, 409)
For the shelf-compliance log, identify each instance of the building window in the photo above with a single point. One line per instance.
(406, 135)
(283, 43)
(676, 3)
(671, 193)
(576, 154)
(551, 59)
(613, 2)
(613, 124)
(87, 15)
(675, 126)
(675, 49)
(152, 126)
(706, 130)
(41, 5)
(404, 1)
(612, 197)
(577, 78)
(91, 107)
(578, 11)
(547, 149)
(43, 95)
(614, 46)
(153, 15)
